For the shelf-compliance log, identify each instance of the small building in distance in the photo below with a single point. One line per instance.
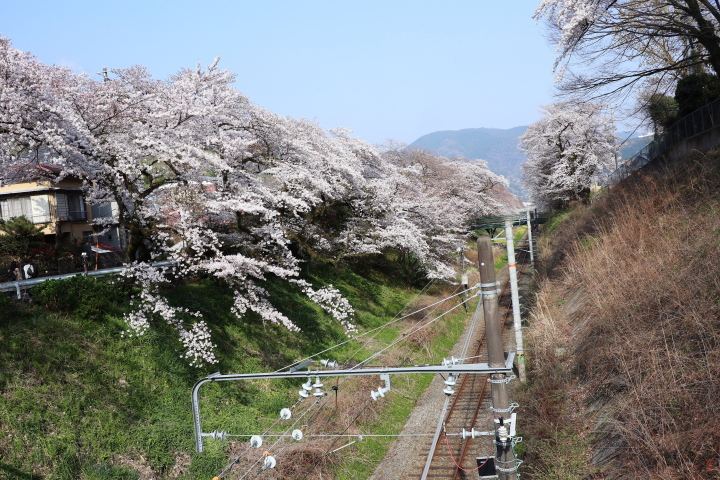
(57, 205)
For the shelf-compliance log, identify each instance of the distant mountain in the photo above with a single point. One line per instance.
(498, 147)
(633, 144)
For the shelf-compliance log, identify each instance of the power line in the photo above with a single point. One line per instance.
(395, 320)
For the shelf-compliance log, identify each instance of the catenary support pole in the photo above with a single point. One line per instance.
(530, 241)
(504, 458)
(517, 322)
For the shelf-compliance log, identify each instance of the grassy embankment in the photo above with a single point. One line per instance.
(80, 401)
(625, 333)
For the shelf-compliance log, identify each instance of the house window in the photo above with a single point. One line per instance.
(35, 208)
(70, 206)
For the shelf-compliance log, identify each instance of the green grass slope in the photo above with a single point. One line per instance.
(79, 401)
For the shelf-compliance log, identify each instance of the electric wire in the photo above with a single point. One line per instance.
(404, 336)
(456, 463)
(395, 320)
(330, 449)
(413, 329)
(250, 469)
(365, 333)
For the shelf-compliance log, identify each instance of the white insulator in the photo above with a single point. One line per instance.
(449, 390)
(269, 462)
(303, 393)
(286, 413)
(452, 361)
(329, 363)
(297, 434)
(319, 392)
(450, 380)
(308, 385)
(502, 432)
(318, 383)
(256, 441)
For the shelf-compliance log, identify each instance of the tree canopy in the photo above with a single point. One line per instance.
(568, 149)
(607, 47)
(227, 188)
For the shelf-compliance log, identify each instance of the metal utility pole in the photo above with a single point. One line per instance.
(463, 277)
(530, 242)
(517, 322)
(104, 74)
(505, 459)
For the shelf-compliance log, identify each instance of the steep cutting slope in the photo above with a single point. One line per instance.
(626, 333)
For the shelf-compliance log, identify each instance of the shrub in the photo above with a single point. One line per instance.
(696, 90)
(87, 297)
(18, 235)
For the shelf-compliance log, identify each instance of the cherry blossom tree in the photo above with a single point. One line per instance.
(437, 197)
(624, 44)
(225, 188)
(567, 151)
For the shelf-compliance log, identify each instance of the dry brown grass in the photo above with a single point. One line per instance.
(638, 350)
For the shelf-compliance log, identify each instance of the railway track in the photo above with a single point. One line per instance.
(448, 455)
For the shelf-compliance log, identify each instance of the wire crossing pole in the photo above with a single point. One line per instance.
(517, 322)
(504, 459)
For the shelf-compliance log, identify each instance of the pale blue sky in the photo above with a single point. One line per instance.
(385, 69)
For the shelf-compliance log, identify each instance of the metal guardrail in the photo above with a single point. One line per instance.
(19, 285)
(701, 120)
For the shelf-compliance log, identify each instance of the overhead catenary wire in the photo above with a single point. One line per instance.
(331, 449)
(295, 423)
(321, 404)
(405, 335)
(319, 401)
(411, 332)
(395, 320)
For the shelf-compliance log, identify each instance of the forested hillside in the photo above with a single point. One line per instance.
(625, 332)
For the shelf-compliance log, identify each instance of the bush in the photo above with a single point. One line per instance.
(8, 305)
(695, 91)
(86, 297)
(18, 235)
(663, 111)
